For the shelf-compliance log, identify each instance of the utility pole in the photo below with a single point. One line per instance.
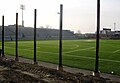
(60, 38)
(114, 26)
(3, 36)
(97, 40)
(16, 58)
(35, 19)
(22, 7)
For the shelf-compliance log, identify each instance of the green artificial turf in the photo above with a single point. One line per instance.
(76, 53)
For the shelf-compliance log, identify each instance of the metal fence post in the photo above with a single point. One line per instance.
(60, 38)
(97, 40)
(16, 58)
(35, 15)
(3, 36)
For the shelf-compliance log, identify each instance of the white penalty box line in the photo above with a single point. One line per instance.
(109, 60)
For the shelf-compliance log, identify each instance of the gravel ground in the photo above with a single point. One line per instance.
(19, 72)
(66, 68)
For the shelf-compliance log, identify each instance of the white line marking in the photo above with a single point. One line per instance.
(94, 58)
(88, 40)
(32, 50)
(76, 46)
(116, 51)
(109, 60)
(79, 50)
(46, 45)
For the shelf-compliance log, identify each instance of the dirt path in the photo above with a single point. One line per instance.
(68, 69)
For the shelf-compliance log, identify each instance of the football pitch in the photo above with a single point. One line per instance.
(76, 53)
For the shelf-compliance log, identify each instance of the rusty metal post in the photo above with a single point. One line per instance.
(60, 38)
(16, 58)
(97, 40)
(3, 36)
(35, 15)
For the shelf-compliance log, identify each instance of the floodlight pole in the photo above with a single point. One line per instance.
(35, 15)
(16, 58)
(22, 19)
(97, 39)
(3, 36)
(114, 26)
(22, 7)
(60, 38)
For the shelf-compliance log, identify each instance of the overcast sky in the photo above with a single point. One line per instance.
(78, 14)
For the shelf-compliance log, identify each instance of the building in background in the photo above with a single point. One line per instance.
(27, 33)
(107, 33)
